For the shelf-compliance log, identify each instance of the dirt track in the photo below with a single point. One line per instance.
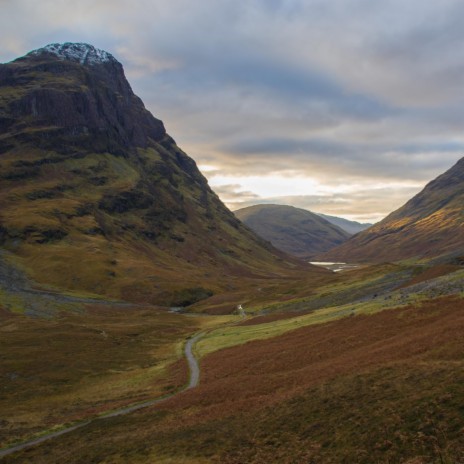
(193, 382)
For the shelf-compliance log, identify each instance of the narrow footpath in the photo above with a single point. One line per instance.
(194, 374)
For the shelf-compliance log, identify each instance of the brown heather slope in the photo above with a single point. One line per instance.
(96, 197)
(382, 388)
(293, 230)
(428, 225)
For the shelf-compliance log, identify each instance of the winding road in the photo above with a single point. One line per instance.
(192, 361)
(194, 369)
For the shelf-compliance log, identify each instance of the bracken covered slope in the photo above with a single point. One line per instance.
(428, 225)
(380, 388)
(96, 197)
(293, 230)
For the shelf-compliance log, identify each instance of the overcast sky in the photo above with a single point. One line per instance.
(346, 107)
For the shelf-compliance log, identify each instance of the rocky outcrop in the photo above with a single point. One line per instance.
(101, 107)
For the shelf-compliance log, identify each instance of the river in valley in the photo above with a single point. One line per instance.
(335, 267)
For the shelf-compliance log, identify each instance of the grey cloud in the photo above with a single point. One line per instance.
(409, 161)
(231, 193)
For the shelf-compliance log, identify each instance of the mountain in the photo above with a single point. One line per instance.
(293, 230)
(352, 227)
(428, 225)
(96, 197)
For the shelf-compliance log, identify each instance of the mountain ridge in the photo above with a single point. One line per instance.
(429, 225)
(80, 52)
(352, 227)
(294, 230)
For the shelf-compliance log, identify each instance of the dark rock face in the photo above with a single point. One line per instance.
(87, 102)
(126, 201)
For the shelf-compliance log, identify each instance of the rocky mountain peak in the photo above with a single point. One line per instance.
(82, 53)
(75, 95)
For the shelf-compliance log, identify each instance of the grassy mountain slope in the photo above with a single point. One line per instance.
(293, 230)
(95, 197)
(428, 225)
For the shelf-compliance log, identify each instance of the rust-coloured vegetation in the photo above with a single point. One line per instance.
(381, 388)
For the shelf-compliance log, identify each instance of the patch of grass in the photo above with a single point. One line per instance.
(236, 335)
(80, 364)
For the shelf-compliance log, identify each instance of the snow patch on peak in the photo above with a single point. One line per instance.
(80, 52)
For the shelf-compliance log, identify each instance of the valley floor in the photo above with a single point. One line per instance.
(379, 378)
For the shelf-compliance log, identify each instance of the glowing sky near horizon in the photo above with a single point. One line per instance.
(344, 107)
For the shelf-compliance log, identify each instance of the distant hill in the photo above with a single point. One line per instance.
(428, 225)
(96, 197)
(352, 227)
(293, 230)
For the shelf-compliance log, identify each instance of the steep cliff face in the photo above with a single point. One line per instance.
(428, 225)
(96, 197)
(82, 99)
